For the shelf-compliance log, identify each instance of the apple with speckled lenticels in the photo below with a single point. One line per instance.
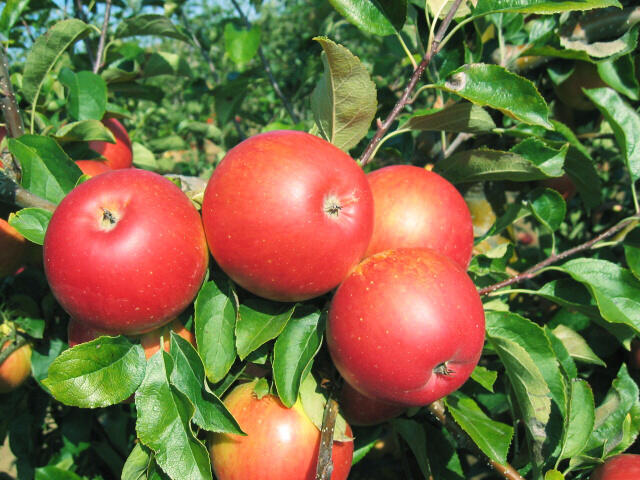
(287, 215)
(406, 327)
(119, 154)
(620, 467)
(125, 251)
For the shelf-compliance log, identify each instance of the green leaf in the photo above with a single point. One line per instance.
(164, 423)
(581, 419)
(11, 14)
(364, 443)
(294, 350)
(188, 377)
(619, 74)
(394, 10)
(84, 131)
(99, 373)
(567, 364)
(165, 63)
(258, 322)
(47, 171)
(492, 437)
(459, 117)
(548, 207)
(576, 345)
(215, 318)
(615, 290)
(46, 51)
(548, 159)
(34, 327)
(553, 475)
(149, 24)
(344, 100)
(496, 87)
(617, 47)
(51, 472)
(144, 158)
(584, 175)
(87, 99)
(625, 123)
(414, 435)
(137, 464)
(367, 15)
(632, 251)
(313, 398)
(544, 7)
(485, 377)
(241, 44)
(437, 6)
(485, 165)
(32, 223)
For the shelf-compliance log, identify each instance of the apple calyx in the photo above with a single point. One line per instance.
(443, 369)
(109, 219)
(332, 206)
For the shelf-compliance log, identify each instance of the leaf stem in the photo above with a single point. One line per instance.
(432, 50)
(406, 50)
(537, 268)
(98, 63)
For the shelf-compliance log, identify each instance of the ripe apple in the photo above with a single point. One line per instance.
(13, 247)
(93, 167)
(151, 341)
(563, 185)
(406, 327)
(281, 443)
(81, 332)
(418, 208)
(287, 215)
(119, 154)
(125, 251)
(360, 410)
(620, 467)
(585, 75)
(15, 369)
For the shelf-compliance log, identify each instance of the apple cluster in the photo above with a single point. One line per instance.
(288, 217)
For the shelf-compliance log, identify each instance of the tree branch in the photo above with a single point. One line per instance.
(98, 63)
(203, 52)
(438, 410)
(267, 68)
(11, 192)
(11, 114)
(384, 126)
(533, 271)
(324, 467)
(79, 11)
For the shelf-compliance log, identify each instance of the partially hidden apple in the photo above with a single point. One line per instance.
(117, 155)
(93, 167)
(151, 341)
(360, 410)
(584, 76)
(406, 327)
(418, 208)
(13, 248)
(620, 467)
(81, 332)
(125, 251)
(287, 215)
(280, 443)
(15, 369)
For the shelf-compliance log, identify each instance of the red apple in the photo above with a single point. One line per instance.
(406, 327)
(418, 208)
(93, 167)
(13, 247)
(15, 369)
(281, 443)
(620, 467)
(563, 185)
(81, 332)
(287, 215)
(151, 341)
(125, 251)
(361, 410)
(118, 155)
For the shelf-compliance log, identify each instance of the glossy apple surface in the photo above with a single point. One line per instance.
(125, 251)
(360, 410)
(117, 155)
(15, 369)
(418, 208)
(281, 443)
(13, 247)
(93, 167)
(287, 215)
(406, 327)
(620, 467)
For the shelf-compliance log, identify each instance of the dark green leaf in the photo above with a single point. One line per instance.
(84, 131)
(366, 15)
(149, 24)
(540, 6)
(548, 207)
(459, 117)
(102, 372)
(137, 464)
(344, 100)
(413, 434)
(11, 14)
(258, 322)
(577, 346)
(620, 74)
(294, 349)
(34, 327)
(241, 44)
(485, 377)
(87, 99)
(32, 223)
(54, 473)
(165, 63)
(581, 419)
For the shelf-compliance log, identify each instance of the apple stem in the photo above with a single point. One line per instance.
(443, 369)
(439, 411)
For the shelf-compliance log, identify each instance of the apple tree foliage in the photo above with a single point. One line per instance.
(556, 389)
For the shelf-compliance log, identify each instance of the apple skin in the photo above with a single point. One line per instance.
(418, 208)
(15, 369)
(137, 273)
(360, 410)
(620, 467)
(400, 316)
(281, 443)
(151, 341)
(585, 75)
(287, 215)
(118, 155)
(13, 248)
(93, 167)
(80, 332)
